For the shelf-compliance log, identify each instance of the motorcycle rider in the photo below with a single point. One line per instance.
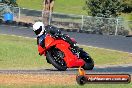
(41, 31)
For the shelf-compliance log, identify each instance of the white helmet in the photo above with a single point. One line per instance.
(38, 28)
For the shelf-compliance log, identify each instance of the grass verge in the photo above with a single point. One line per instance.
(21, 53)
(63, 6)
(16, 52)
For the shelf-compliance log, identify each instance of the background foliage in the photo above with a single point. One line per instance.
(108, 8)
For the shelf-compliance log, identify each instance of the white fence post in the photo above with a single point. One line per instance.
(116, 26)
(82, 22)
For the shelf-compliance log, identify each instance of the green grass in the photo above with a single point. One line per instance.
(62, 6)
(106, 57)
(127, 16)
(70, 86)
(31, 4)
(70, 6)
(21, 53)
(18, 52)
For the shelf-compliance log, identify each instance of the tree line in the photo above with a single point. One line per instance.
(108, 8)
(10, 2)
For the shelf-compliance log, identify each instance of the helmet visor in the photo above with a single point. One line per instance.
(38, 31)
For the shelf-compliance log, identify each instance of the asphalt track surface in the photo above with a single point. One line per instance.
(110, 42)
(96, 70)
(120, 43)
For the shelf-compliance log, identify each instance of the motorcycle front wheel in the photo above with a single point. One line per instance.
(89, 65)
(55, 57)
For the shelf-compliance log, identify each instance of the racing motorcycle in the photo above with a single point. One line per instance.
(61, 55)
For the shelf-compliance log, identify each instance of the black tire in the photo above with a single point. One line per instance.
(89, 65)
(81, 80)
(51, 56)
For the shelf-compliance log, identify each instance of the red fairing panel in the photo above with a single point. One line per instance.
(70, 59)
(40, 50)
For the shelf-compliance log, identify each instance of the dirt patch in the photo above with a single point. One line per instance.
(35, 79)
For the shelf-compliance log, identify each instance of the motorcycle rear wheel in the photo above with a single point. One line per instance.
(55, 57)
